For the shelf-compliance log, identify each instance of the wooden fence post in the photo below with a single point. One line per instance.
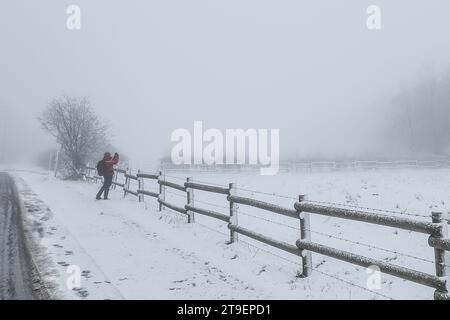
(305, 234)
(162, 195)
(190, 201)
(440, 254)
(140, 196)
(125, 185)
(233, 212)
(57, 160)
(115, 179)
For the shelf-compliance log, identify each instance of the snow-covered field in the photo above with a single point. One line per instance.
(130, 250)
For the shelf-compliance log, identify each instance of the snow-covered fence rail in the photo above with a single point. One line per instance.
(208, 188)
(209, 213)
(90, 173)
(172, 185)
(301, 210)
(374, 218)
(437, 229)
(173, 207)
(265, 206)
(404, 273)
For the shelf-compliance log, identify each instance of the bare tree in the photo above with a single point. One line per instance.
(78, 131)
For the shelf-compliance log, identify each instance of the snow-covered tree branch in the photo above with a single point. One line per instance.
(77, 129)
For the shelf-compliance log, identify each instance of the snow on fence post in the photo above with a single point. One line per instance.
(57, 160)
(162, 189)
(86, 172)
(115, 179)
(140, 181)
(126, 184)
(440, 254)
(233, 213)
(190, 200)
(305, 234)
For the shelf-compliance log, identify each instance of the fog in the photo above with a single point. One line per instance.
(310, 68)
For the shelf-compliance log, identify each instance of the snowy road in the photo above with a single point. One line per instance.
(15, 272)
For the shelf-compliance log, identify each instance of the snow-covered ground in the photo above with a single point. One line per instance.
(130, 250)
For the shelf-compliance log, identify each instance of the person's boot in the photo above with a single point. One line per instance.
(99, 195)
(106, 195)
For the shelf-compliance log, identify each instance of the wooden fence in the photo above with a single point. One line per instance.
(301, 210)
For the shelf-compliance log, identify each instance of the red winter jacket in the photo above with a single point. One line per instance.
(110, 162)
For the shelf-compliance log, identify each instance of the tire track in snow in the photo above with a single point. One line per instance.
(15, 268)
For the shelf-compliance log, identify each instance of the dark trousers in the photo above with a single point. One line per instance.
(107, 181)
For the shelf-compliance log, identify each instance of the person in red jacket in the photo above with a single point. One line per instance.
(108, 163)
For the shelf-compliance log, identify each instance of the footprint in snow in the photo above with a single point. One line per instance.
(83, 293)
(85, 273)
(179, 281)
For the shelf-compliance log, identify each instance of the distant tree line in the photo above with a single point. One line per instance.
(422, 116)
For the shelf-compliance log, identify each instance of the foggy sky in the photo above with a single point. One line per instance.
(310, 68)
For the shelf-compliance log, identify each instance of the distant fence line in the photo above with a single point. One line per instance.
(315, 166)
(301, 210)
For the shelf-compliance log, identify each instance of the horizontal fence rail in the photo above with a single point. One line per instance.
(265, 206)
(207, 188)
(374, 218)
(134, 193)
(388, 268)
(147, 176)
(172, 185)
(209, 213)
(118, 184)
(173, 207)
(148, 193)
(267, 240)
(130, 176)
(301, 211)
